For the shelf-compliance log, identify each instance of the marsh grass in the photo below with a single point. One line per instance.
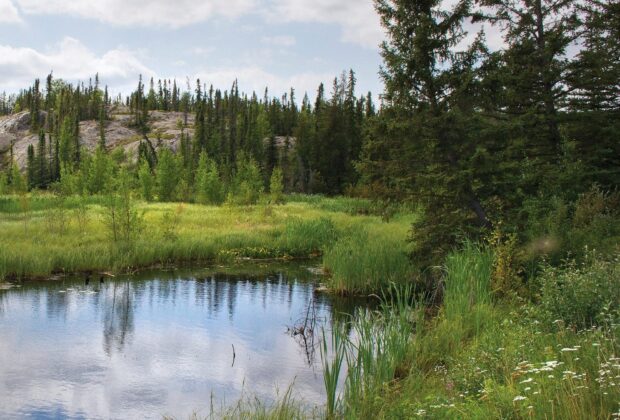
(484, 359)
(69, 234)
(286, 407)
(373, 346)
(365, 261)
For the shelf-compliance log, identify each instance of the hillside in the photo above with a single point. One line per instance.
(164, 131)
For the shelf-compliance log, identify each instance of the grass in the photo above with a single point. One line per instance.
(483, 359)
(44, 234)
(370, 257)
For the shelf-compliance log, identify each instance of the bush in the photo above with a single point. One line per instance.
(582, 295)
(556, 228)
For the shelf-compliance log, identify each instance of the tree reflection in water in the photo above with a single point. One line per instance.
(118, 317)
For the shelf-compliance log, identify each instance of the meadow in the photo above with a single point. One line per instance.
(44, 234)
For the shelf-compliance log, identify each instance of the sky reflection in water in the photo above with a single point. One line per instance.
(156, 344)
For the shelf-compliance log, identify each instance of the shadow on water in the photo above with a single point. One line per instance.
(163, 342)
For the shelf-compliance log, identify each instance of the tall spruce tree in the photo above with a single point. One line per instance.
(421, 146)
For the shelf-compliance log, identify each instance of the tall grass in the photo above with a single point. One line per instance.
(375, 346)
(481, 359)
(332, 368)
(68, 234)
(302, 238)
(467, 280)
(362, 263)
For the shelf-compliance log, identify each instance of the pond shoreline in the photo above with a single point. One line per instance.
(11, 279)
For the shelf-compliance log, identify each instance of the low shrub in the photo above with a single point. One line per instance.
(581, 294)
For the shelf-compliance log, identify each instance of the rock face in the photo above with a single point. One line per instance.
(165, 131)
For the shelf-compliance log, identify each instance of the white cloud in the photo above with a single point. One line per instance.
(358, 19)
(280, 41)
(169, 13)
(69, 60)
(8, 12)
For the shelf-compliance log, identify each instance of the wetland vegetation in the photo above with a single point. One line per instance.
(477, 208)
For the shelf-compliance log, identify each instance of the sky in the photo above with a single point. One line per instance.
(274, 43)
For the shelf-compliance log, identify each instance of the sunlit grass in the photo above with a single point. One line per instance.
(44, 234)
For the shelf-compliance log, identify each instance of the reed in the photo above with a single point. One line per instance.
(364, 262)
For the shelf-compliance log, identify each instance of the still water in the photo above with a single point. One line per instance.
(159, 343)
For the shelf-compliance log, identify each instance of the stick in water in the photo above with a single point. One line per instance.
(234, 355)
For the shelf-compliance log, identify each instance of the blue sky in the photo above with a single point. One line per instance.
(275, 43)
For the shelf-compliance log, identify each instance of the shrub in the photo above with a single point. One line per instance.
(276, 186)
(581, 294)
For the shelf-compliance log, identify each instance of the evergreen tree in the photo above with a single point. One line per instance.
(276, 186)
(41, 163)
(32, 168)
(420, 147)
(102, 144)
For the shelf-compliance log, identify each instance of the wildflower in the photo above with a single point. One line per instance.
(519, 398)
(527, 381)
(565, 349)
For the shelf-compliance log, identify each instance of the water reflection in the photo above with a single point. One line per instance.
(158, 343)
(118, 318)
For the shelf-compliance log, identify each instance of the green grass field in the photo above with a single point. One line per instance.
(44, 234)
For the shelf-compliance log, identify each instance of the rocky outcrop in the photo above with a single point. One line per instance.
(165, 131)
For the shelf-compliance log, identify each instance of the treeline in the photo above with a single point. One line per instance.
(495, 139)
(312, 145)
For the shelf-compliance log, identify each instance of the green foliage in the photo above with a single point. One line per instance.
(100, 172)
(556, 228)
(582, 295)
(467, 280)
(121, 216)
(307, 237)
(276, 187)
(167, 175)
(147, 181)
(361, 263)
(4, 184)
(248, 182)
(374, 346)
(209, 187)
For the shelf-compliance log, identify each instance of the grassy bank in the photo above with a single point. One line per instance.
(487, 358)
(45, 234)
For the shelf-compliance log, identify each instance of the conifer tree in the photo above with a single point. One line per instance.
(276, 186)
(32, 168)
(41, 162)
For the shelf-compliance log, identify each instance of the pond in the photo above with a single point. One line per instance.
(161, 343)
